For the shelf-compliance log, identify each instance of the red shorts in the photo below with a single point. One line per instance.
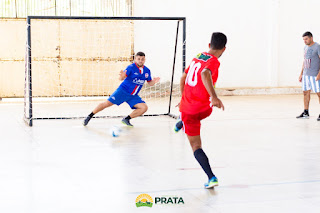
(191, 122)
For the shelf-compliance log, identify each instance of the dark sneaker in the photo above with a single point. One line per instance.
(303, 115)
(178, 126)
(318, 119)
(126, 122)
(86, 121)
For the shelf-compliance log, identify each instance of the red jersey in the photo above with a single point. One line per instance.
(195, 97)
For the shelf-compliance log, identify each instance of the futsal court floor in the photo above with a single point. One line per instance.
(266, 160)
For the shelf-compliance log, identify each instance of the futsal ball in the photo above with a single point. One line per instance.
(115, 131)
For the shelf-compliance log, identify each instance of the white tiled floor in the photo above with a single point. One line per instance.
(265, 159)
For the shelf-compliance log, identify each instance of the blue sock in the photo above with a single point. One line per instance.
(204, 162)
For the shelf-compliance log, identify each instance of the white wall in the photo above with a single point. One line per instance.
(265, 47)
(296, 18)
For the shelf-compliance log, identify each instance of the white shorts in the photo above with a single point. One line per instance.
(309, 82)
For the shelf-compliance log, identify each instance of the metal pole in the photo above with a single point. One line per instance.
(184, 43)
(29, 78)
(174, 64)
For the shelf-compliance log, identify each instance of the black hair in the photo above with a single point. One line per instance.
(307, 34)
(218, 41)
(140, 54)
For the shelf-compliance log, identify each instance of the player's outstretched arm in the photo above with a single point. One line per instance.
(207, 82)
(122, 75)
(154, 81)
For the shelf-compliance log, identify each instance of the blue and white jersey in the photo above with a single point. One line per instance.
(135, 78)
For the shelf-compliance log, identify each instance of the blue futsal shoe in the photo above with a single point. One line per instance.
(211, 183)
(178, 126)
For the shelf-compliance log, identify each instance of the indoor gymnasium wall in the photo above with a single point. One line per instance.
(13, 39)
(264, 49)
(12, 42)
(296, 17)
(81, 63)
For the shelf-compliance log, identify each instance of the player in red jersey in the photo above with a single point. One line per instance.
(198, 98)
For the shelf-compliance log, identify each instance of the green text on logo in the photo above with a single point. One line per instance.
(168, 200)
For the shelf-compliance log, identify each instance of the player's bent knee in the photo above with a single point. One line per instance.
(306, 92)
(195, 142)
(195, 147)
(142, 106)
(145, 107)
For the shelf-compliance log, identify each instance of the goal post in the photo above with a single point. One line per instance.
(72, 64)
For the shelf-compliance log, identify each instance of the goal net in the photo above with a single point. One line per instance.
(73, 64)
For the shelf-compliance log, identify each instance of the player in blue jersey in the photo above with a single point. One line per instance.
(133, 78)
